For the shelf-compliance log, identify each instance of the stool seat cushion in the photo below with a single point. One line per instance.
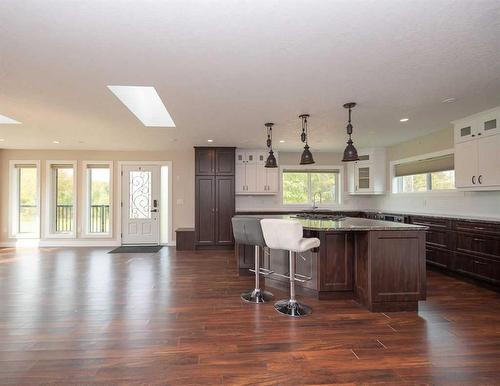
(247, 230)
(287, 235)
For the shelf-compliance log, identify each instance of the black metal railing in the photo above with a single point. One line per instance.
(64, 218)
(99, 219)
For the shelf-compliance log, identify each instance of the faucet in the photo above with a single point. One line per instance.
(314, 200)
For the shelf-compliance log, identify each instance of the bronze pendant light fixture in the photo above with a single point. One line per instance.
(271, 159)
(306, 158)
(350, 152)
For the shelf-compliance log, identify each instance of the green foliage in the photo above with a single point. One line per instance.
(295, 188)
(300, 187)
(64, 186)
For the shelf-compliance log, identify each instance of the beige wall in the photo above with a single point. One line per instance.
(182, 179)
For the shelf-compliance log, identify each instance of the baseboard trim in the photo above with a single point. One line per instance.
(33, 243)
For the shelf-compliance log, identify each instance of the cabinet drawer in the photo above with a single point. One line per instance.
(478, 227)
(487, 269)
(475, 243)
(480, 268)
(431, 222)
(438, 257)
(438, 238)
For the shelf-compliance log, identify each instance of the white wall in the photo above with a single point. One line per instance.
(458, 203)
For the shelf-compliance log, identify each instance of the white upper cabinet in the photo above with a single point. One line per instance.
(477, 125)
(251, 175)
(368, 175)
(477, 151)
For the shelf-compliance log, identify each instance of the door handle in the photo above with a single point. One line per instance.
(155, 203)
(479, 179)
(154, 210)
(473, 180)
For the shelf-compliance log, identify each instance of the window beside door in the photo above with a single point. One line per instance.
(303, 187)
(98, 188)
(61, 194)
(25, 199)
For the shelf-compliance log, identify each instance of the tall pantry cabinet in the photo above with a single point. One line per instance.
(214, 197)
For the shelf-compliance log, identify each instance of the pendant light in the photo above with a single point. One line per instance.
(306, 158)
(271, 159)
(350, 152)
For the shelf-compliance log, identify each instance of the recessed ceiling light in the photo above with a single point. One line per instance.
(404, 120)
(145, 104)
(449, 100)
(1, 139)
(8, 121)
(210, 140)
(56, 142)
(282, 141)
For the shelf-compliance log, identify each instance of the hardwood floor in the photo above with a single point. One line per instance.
(82, 316)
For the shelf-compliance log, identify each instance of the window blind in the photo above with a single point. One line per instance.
(429, 165)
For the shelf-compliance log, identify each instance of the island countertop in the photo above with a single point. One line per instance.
(345, 224)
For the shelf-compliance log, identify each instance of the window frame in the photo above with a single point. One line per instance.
(395, 182)
(14, 200)
(86, 200)
(313, 168)
(50, 200)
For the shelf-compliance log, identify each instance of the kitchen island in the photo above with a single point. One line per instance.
(378, 263)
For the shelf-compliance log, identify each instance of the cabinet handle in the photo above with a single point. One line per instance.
(479, 262)
(473, 180)
(473, 135)
(480, 240)
(479, 134)
(479, 179)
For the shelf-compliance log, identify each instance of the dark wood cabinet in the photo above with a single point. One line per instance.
(205, 161)
(205, 210)
(467, 248)
(214, 197)
(224, 209)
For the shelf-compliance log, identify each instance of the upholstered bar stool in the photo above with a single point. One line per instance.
(288, 235)
(247, 231)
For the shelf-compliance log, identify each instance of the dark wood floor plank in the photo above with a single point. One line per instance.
(82, 316)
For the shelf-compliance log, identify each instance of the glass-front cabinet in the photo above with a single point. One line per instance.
(477, 126)
(367, 176)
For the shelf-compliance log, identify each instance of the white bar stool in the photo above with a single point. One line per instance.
(288, 235)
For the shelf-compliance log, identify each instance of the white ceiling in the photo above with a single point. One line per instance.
(223, 68)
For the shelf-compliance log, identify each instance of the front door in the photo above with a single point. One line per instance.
(140, 204)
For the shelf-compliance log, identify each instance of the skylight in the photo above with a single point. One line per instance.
(7, 120)
(145, 104)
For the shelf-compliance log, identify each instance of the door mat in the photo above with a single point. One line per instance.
(137, 249)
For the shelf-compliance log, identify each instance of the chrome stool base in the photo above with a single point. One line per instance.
(257, 296)
(292, 308)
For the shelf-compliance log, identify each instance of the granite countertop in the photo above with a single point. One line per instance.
(492, 220)
(346, 224)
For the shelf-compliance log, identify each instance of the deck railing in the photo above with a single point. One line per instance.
(98, 218)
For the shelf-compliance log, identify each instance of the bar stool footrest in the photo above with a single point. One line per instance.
(263, 271)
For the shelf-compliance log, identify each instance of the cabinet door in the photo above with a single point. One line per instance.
(466, 164)
(272, 180)
(240, 184)
(240, 157)
(251, 157)
(466, 130)
(261, 179)
(363, 178)
(251, 177)
(488, 150)
(205, 210)
(261, 157)
(488, 124)
(224, 210)
(224, 162)
(205, 161)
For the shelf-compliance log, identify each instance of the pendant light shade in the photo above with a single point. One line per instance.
(306, 158)
(271, 159)
(350, 152)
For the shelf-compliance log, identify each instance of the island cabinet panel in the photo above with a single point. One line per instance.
(392, 274)
(337, 261)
